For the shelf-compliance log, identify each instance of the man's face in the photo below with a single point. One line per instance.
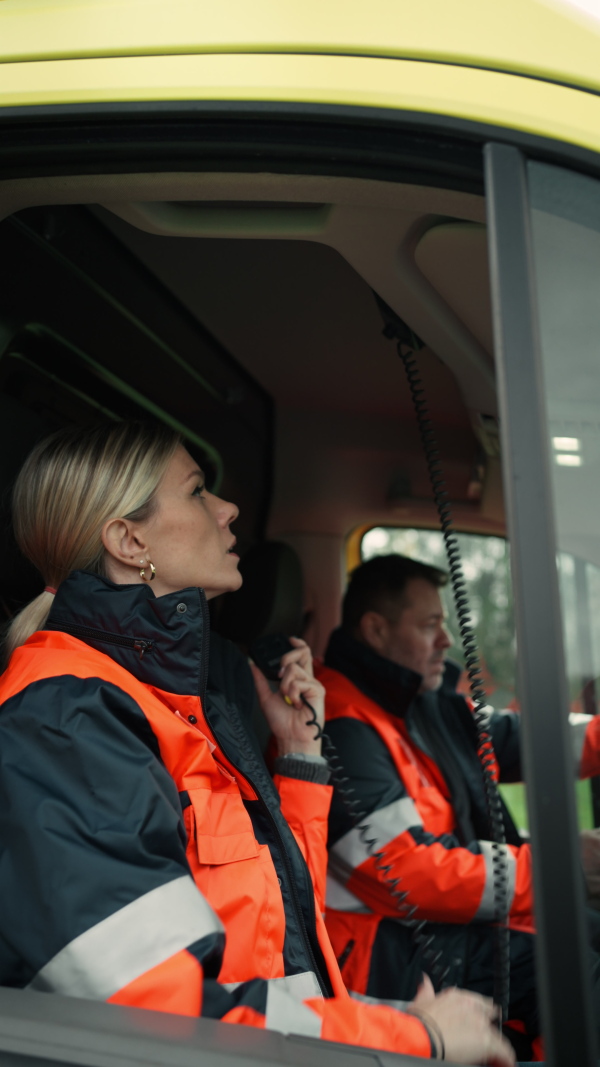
(415, 636)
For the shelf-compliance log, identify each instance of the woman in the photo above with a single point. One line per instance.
(145, 849)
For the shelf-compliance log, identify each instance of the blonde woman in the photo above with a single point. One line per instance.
(147, 857)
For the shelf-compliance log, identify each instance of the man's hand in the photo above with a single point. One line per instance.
(284, 710)
(590, 858)
(466, 1022)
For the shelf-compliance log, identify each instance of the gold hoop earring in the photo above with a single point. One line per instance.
(152, 572)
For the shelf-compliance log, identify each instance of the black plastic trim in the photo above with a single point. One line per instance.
(563, 970)
(147, 136)
(119, 138)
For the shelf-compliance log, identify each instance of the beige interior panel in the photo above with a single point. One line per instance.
(453, 257)
(375, 225)
(121, 192)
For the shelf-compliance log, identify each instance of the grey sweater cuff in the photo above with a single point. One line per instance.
(299, 766)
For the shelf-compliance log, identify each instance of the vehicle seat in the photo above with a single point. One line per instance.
(270, 601)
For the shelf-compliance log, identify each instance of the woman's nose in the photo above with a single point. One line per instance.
(227, 512)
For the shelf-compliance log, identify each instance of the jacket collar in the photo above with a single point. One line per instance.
(388, 684)
(163, 641)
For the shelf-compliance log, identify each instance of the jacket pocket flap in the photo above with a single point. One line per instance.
(226, 849)
(223, 828)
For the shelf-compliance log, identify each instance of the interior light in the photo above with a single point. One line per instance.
(568, 459)
(567, 444)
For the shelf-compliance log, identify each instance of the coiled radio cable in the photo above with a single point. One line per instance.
(408, 344)
(422, 937)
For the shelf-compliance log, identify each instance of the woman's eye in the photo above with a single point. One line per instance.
(198, 491)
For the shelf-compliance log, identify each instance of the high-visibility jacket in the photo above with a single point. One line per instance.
(424, 801)
(144, 850)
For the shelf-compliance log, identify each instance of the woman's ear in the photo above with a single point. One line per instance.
(125, 548)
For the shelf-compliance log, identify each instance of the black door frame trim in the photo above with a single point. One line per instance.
(563, 970)
(63, 124)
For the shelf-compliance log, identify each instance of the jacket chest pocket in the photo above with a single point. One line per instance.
(237, 877)
(222, 829)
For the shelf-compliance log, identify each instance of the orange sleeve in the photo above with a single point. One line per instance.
(174, 986)
(590, 756)
(373, 1026)
(305, 805)
(177, 984)
(446, 884)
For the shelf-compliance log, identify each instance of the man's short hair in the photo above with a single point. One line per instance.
(380, 585)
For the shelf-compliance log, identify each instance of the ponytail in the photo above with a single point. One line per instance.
(31, 618)
(68, 487)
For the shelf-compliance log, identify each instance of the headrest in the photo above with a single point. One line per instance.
(271, 599)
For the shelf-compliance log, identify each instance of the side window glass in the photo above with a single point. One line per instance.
(565, 232)
(486, 568)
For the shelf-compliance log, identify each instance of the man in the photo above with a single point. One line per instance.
(408, 744)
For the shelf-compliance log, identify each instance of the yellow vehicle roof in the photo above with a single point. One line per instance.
(530, 37)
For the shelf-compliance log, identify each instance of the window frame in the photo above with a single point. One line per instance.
(563, 972)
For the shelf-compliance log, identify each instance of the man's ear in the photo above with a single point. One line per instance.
(373, 629)
(125, 546)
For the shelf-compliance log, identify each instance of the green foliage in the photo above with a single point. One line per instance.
(486, 570)
(516, 801)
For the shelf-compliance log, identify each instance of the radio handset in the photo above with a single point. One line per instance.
(266, 653)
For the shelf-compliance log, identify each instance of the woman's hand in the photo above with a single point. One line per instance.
(466, 1023)
(284, 710)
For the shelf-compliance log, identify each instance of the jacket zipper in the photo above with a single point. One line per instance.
(241, 739)
(138, 644)
(205, 638)
(295, 897)
(142, 645)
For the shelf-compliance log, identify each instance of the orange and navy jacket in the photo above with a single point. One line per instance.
(146, 856)
(417, 777)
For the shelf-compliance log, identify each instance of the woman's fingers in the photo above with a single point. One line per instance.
(286, 712)
(300, 654)
(425, 993)
(500, 1052)
(466, 1021)
(295, 683)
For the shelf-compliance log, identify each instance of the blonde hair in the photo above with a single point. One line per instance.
(68, 487)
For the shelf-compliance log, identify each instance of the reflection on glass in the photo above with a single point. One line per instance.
(565, 221)
(566, 240)
(486, 568)
(487, 574)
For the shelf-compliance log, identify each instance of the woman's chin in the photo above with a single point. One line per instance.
(229, 585)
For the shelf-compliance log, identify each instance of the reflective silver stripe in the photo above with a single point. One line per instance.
(383, 825)
(578, 724)
(342, 899)
(399, 1005)
(285, 1009)
(485, 911)
(130, 942)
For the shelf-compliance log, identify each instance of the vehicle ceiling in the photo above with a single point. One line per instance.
(281, 268)
(281, 271)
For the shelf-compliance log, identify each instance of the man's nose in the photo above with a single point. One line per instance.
(445, 639)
